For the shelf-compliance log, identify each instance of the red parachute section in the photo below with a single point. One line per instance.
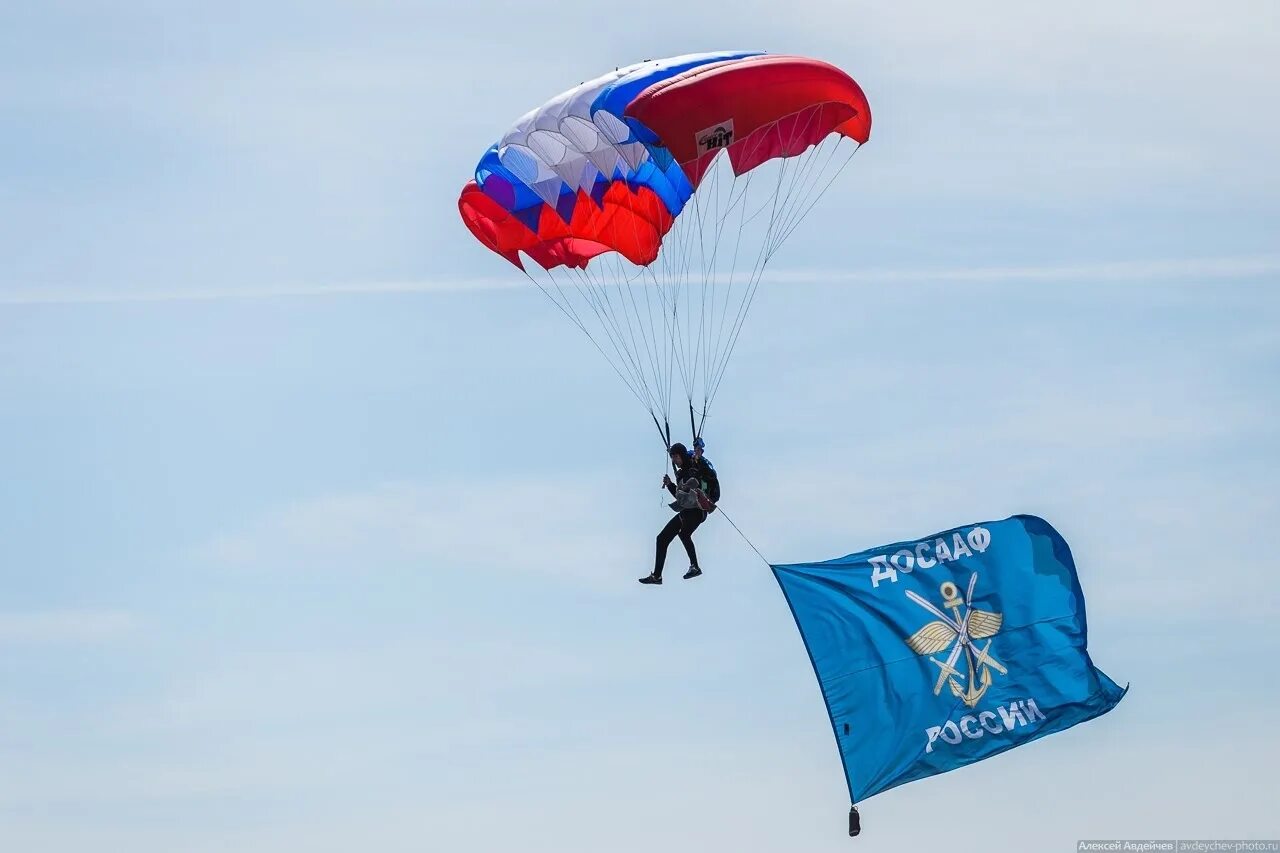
(630, 223)
(755, 109)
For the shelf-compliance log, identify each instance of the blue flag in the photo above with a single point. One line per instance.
(936, 653)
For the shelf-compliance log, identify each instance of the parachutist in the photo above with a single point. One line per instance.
(694, 487)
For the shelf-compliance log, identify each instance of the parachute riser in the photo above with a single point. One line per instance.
(665, 436)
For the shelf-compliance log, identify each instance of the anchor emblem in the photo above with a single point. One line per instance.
(957, 631)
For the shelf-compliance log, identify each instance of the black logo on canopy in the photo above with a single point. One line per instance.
(720, 136)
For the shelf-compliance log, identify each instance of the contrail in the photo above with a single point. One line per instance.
(1124, 271)
(87, 296)
(1148, 270)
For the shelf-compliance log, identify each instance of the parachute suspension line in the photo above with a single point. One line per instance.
(680, 289)
(655, 353)
(596, 294)
(660, 285)
(758, 268)
(673, 266)
(799, 179)
(668, 324)
(627, 284)
(667, 357)
(647, 333)
(708, 279)
(813, 199)
(712, 206)
(646, 329)
(743, 221)
(811, 196)
(573, 318)
(804, 202)
(650, 326)
(655, 307)
(664, 351)
(677, 254)
(741, 203)
(711, 274)
(701, 210)
(711, 279)
(800, 202)
(699, 347)
(608, 319)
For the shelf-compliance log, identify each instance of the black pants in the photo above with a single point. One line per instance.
(685, 522)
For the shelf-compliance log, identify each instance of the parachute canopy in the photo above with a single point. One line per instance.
(595, 187)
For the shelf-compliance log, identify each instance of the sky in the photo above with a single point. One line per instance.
(319, 530)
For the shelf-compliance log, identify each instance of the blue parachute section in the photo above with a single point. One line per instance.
(939, 652)
(524, 184)
(615, 97)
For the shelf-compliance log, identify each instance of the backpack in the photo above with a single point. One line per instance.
(709, 476)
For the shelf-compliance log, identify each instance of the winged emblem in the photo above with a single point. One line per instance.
(957, 631)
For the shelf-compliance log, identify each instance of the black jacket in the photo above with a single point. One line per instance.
(700, 471)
